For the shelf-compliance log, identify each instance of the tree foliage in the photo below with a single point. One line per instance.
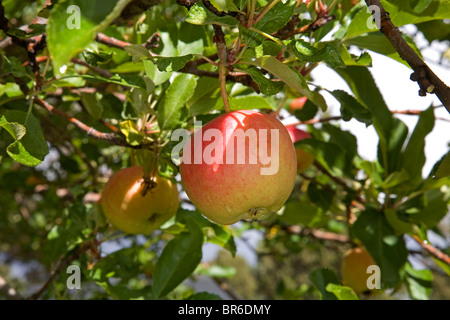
(90, 87)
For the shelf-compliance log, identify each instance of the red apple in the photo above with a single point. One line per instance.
(245, 168)
(304, 158)
(133, 211)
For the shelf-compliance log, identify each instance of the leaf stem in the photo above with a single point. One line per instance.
(266, 9)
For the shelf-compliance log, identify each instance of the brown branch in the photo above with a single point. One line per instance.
(59, 267)
(290, 30)
(318, 234)
(428, 81)
(432, 250)
(103, 73)
(111, 138)
(31, 46)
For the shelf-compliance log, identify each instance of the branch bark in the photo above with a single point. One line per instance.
(428, 81)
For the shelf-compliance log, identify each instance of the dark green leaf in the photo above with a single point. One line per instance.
(169, 64)
(178, 260)
(308, 53)
(341, 292)
(301, 213)
(199, 15)
(178, 93)
(289, 76)
(276, 17)
(321, 278)
(384, 245)
(351, 108)
(72, 25)
(266, 86)
(418, 282)
(29, 147)
(413, 157)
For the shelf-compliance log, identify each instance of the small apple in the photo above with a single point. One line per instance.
(297, 104)
(304, 158)
(226, 190)
(136, 207)
(354, 268)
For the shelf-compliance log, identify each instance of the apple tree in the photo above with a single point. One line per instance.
(92, 94)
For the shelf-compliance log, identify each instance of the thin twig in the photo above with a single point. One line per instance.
(428, 81)
(111, 138)
(432, 250)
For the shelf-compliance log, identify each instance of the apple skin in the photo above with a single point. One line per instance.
(297, 104)
(304, 158)
(128, 210)
(226, 193)
(354, 268)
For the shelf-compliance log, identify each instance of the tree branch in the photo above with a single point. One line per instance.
(428, 81)
(432, 250)
(111, 138)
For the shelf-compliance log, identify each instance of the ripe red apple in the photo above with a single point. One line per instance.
(354, 268)
(297, 104)
(232, 179)
(133, 211)
(304, 158)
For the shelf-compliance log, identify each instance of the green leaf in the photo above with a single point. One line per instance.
(331, 155)
(131, 133)
(69, 32)
(443, 169)
(289, 76)
(341, 292)
(122, 264)
(427, 208)
(250, 102)
(401, 13)
(29, 147)
(418, 282)
(169, 64)
(178, 260)
(301, 213)
(308, 53)
(170, 109)
(396, 178)
(205, 96)
(266, 86)
(402, 227)
(413, 157)
(307, 112)
(13, 65)
(319, 196)
(364, 59)
(352, 108)
(384, 245)
(377, 42)
(391, 131)
(215, 233)
(321, 278)
(138, 52)
(276, 18)
(92, 104)
(199, 15)
(154, 74)
(224, 5)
